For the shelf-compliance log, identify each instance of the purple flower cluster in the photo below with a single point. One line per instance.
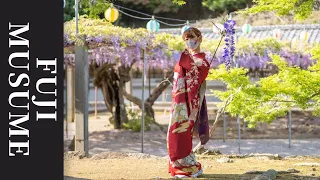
(96, 39)
(229, 41)
(253, 61)
(157, 57)
(66, 40)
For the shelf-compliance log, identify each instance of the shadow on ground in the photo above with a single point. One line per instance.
(248, 177)
(73, 178)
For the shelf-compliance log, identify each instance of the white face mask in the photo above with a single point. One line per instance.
(192, 43)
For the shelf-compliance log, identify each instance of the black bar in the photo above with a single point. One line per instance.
(36, 126)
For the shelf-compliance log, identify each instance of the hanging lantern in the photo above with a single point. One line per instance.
(304, 36)
(217, 28)
(246, 28)
(184, 28)
(153, 25)
(111, 14)
(277, 33)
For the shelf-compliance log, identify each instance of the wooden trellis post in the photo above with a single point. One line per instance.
(143, 100)
(70, 93)
(81, 105)
(289, 126)
(239, 136)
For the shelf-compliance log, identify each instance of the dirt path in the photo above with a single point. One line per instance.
(103, 139)
(121, 167)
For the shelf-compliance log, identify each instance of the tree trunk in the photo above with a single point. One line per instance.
(117, 117)
(111, 78)
(107, 100)
(124, 74)
(123, 111)
(152, 98)
(107, 79)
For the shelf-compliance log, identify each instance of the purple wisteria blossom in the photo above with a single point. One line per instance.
(66, 40)
(229, 41)
(158, 55)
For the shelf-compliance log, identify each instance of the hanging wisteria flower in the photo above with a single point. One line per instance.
(66, 40)
(229, 40)
(111, 45)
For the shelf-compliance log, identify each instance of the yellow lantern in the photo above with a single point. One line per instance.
(304, 36)
(111, 14)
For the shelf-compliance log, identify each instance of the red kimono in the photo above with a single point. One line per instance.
(188, 114)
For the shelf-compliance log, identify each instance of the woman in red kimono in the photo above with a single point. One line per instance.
(189, 110)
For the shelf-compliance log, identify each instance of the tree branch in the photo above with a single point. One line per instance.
(159, 89)
(135, 100)
(315, 94)
(219, 112)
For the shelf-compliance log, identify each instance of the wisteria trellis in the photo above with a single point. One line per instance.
(123, 45)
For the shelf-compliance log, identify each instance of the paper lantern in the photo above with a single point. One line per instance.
(111, 14)
(246, 28)
(217, 28)
(153, 25)
(277, 33)
(184, 28)
(304, 36)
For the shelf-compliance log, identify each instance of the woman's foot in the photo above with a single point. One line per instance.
(181, 176)
(192, 176)
(197, 174)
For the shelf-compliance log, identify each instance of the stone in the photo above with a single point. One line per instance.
(74, 154)
(266, 156)
(212, 152)
(308, 164)
(142, 155)
(236, 156)
(302, 157)
(268, 175)
(293, 170)
(224, 160)
(109, 155)
(290, 157)
(254, 172)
